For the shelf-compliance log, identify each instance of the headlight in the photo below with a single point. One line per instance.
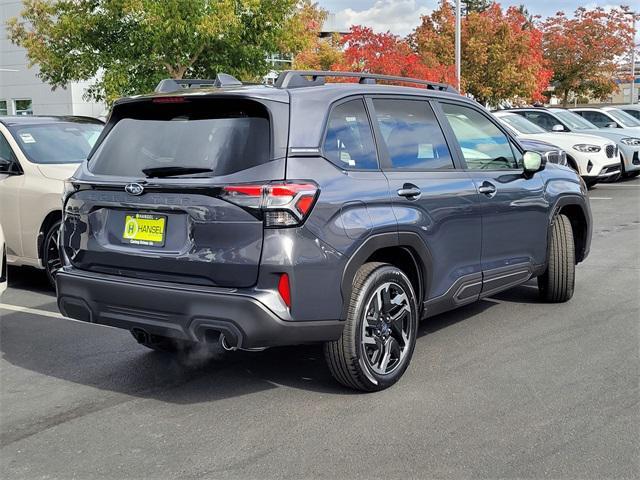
(585, 147)
(631, 141)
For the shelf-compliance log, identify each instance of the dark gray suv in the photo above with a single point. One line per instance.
(343, 213)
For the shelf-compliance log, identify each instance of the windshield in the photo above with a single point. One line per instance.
(623, 118)
(521, 124)
(54, 143)
(574, 121)
(208, 138)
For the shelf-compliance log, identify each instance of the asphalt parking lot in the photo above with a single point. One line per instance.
(506, 388)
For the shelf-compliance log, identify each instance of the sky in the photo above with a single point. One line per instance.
(401, 16)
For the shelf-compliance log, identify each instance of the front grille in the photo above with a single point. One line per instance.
(611, 169)
(552, 157)
(611, 151)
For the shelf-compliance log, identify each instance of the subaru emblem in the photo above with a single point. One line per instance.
(134, 189)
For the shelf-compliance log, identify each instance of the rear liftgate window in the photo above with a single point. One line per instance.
(184, 138)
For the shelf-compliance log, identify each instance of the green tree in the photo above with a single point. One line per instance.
(127, 46)
(469, 6)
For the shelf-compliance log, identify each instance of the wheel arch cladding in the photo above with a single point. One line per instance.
(406, 251)
(577, 217)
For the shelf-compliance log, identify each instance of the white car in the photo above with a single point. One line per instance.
(633, 110)
(37, 154)
(608, 117)
(560, 120)
(3, 263)
(587, 154)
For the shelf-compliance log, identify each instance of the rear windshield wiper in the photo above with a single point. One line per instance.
(173, 171)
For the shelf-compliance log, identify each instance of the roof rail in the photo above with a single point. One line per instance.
(169, 85)
(310, 78)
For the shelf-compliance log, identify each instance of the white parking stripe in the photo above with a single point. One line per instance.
(43, 313)
(599, 198)
(33, 311)
(618, 185)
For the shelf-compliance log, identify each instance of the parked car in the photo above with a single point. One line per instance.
(36, 155)
(227, 214)
(551, 153)
(608, 117)
(633, 110)
(3, 263)
(561, 120)
(587, 153)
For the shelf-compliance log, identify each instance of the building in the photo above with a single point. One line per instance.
(23, 93)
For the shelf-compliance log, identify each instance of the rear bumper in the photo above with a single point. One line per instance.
(183, 311)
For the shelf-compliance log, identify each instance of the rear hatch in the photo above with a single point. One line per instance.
(153, 200)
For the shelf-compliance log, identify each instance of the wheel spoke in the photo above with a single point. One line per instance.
(386, 328)
(386, 356)
(368, 340)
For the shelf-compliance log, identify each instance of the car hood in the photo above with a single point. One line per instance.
(537, 145)
(614, 134)
(60, 171)
(567, 140)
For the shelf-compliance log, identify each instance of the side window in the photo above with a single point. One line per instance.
(349, 141)
(413, 137)
(597, 118)
(8, 162)
(543, 120)
(483, 145)
(634, 113)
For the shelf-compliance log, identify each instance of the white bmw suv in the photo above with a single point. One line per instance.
(37, 154)
(594, 158)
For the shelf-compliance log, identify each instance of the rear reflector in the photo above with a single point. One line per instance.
(284, 289)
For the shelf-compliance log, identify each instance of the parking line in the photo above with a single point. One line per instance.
(620, 185)
(600, 198)
(33, 311)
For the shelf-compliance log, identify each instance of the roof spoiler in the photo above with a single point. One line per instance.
(311, 78)
(169, 85)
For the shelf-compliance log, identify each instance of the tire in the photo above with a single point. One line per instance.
(372, 354)
(557, 283)
(51, 254)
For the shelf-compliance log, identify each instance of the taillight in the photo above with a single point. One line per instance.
(282, 204)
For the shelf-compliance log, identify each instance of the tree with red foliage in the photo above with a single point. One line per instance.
(582, 50)
(384, 53)
(501, 52)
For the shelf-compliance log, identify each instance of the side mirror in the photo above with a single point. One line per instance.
(532, 162)
(557, 128)
(612, 125)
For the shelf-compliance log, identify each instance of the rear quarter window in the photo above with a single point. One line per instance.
(349, 140)
(221, 136)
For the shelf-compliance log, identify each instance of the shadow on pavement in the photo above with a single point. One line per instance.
(109, 359)
(30, 279)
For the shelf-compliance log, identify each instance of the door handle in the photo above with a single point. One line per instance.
(488, 189)
(409, 191)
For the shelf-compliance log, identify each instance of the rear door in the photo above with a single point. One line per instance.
(514, 209)
(174, 189)
(430, 196)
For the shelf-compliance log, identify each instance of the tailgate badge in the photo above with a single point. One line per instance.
(134, 189)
